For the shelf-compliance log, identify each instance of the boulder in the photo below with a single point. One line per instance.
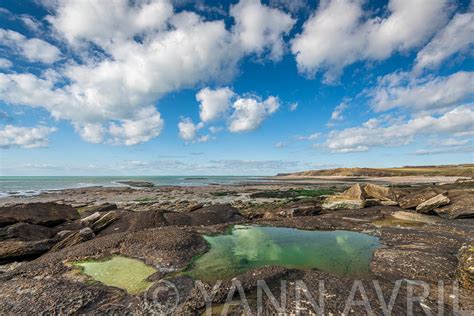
(416, 198)
(340, 203)
(431, 204)
(466, 266)
(25, 232)
(130, 221)
(461, 206)
(104, 221)
(14, 250)
(215, 214)
(74, 239)
(381, 193)
(45, 214)
(355, 192)
(353, 198)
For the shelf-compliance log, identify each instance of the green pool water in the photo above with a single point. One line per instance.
(344, 253)
(118, 271)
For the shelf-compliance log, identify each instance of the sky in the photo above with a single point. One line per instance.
(243, 87)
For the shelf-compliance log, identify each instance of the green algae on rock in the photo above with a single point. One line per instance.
(247, 247)
(122, 272)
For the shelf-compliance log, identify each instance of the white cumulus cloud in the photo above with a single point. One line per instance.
(249, 113)
(25, 137)
(339, 34)
(33, 49)
(374, 134)
(422, 94)
(213, 103)
(259, 27)
(132, 53)
(188, 130)
(457, 36)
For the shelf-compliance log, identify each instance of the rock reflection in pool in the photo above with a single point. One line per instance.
(344, 253)
(118, 271)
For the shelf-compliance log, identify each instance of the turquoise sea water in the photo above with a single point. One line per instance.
(21, 185)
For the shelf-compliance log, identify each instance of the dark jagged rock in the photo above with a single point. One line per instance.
(104, 221)
(215, 214)
(137, 183)
(25, 232)
(46, 214)
(13, 250)
(130, 221)
(74, 239)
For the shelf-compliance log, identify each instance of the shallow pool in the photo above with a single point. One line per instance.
(118, 271)
(344, 253)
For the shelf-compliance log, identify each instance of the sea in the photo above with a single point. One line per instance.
(29, 185)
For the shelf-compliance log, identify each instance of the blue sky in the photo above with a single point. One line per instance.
(239, 87)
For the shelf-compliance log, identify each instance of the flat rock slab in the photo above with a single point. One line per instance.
(429, 205)
(414, 264)
(461, 206)
(416, 198)
(46, 214)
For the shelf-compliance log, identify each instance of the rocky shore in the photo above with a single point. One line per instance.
(426, 232)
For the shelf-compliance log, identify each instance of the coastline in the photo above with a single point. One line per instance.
(165, 227)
